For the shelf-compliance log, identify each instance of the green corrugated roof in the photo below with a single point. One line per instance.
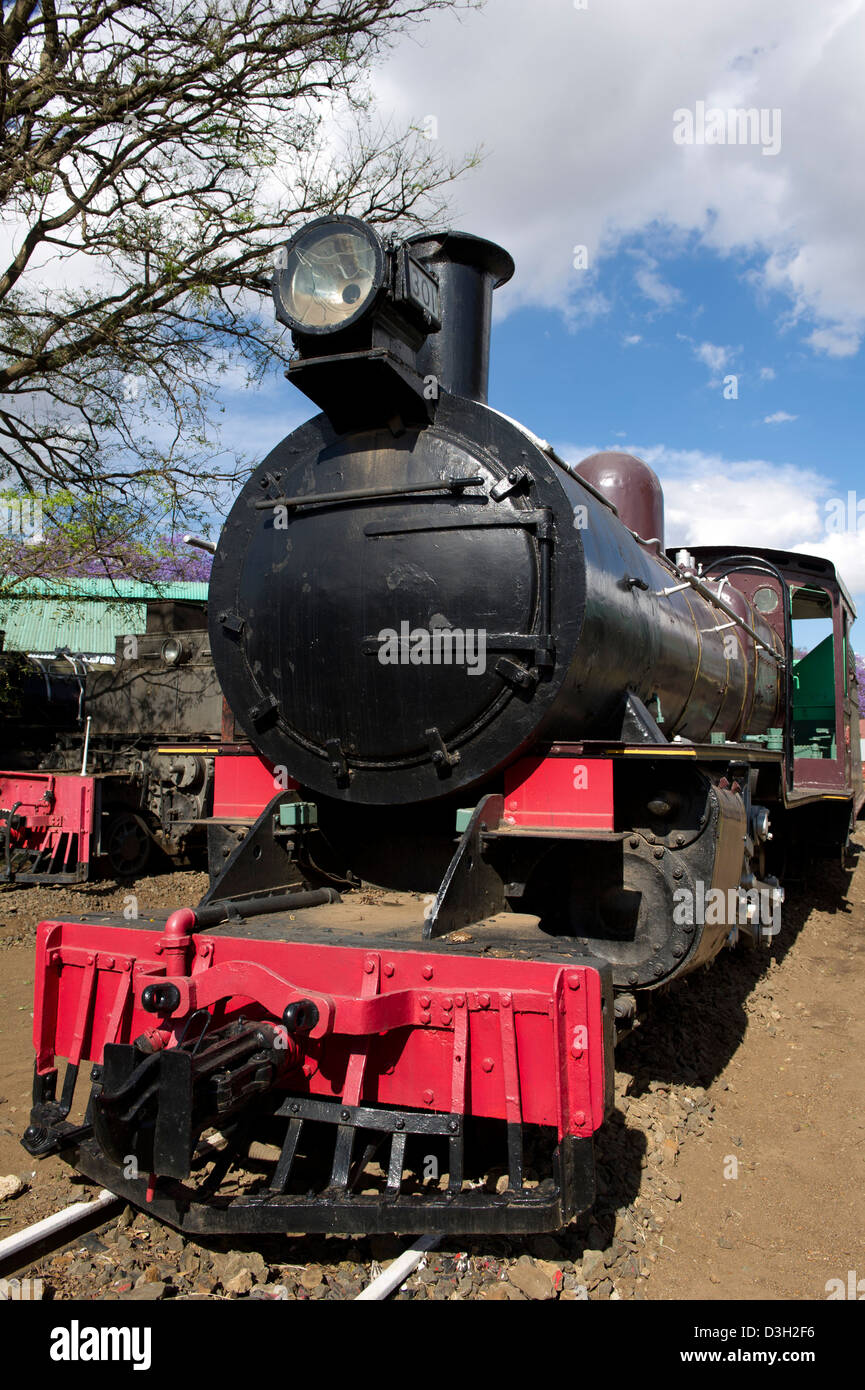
(87, 586)
(79, 615)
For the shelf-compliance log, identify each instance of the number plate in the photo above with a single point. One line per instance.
(422, 290)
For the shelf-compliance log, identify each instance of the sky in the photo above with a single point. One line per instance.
(699, 303)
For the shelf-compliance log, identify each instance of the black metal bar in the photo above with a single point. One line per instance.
(70, 1077)
(461, 522)
(216, 912)
(361, 494)
(9, 818)
(368, 1117)
(545, 545)
(456, 1157)
(475, 1211)
(495, 642)
(48, 1132)
(42, 877)
(342, 1155)
(515, 1156)
(286, 1159)
(44, 1086)
(397, 1156)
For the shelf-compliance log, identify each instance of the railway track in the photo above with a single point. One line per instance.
(20, 1250)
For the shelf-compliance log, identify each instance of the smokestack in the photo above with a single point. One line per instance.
(468, 270)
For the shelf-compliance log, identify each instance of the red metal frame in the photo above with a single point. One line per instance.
(243, 784)
(524, 1041)
(52, 805)
(560, 792)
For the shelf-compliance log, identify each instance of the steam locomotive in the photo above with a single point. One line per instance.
(533, 765)
(111, 767)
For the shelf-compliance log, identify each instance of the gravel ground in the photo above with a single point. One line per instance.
(22, 909)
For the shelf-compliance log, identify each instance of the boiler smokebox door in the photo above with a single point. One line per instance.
(368, 620)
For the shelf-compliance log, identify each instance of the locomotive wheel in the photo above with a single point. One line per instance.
(128, 844)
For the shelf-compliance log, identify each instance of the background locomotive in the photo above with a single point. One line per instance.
(503, 701)
(112, 767)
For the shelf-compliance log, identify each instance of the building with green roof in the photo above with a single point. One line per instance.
(85, 614)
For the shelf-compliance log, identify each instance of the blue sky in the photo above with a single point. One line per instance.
(636, 370)
(650, 373)
(705, 260)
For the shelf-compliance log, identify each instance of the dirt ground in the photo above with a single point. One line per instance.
(774, 1194)
(733, 1167)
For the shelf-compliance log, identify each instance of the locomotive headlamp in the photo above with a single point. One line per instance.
(173, 651)
(328, 275)
(360, 309)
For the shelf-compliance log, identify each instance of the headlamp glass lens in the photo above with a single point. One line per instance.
(328, 277)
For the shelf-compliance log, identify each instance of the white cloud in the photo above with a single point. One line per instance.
(779, 418)
(587, 307)
(752, 503)
(650, 284)
(713, 356)
(835, 342)
(767, 373)
(711, 500)
(846, 550)
(575, 112)
(631, 339)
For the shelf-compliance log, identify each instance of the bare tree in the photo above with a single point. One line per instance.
(153, 155)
